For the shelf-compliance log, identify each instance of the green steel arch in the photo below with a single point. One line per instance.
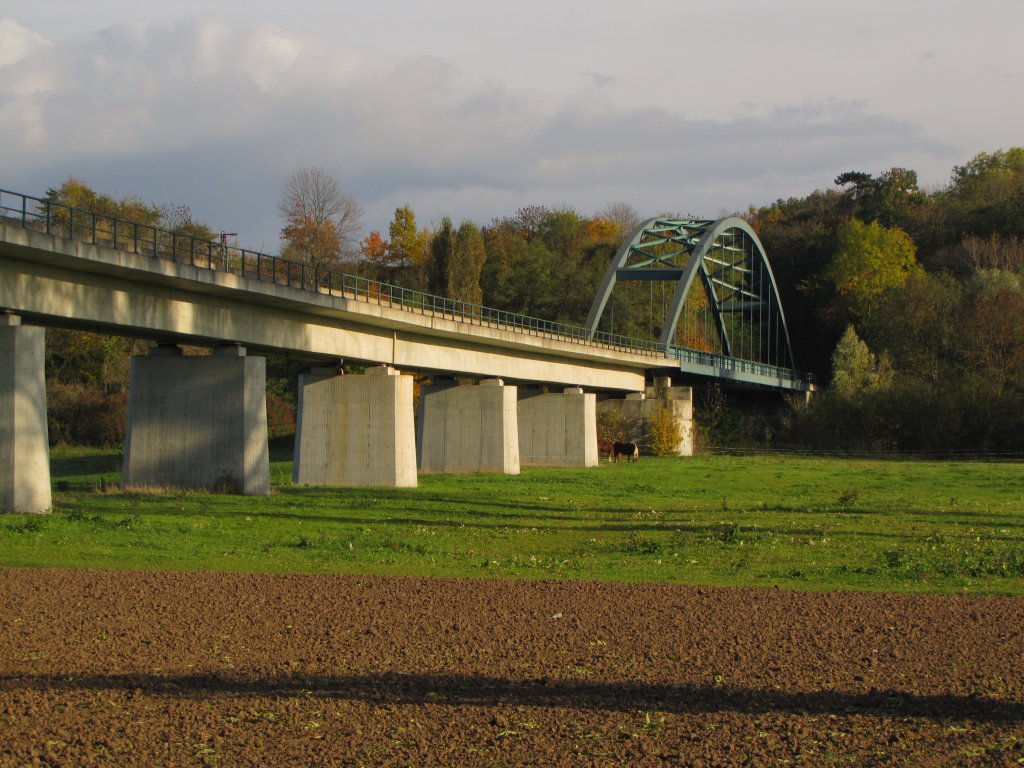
(739, 289)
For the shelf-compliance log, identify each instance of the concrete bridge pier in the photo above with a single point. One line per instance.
(679, 401)
(558, 429)
(24, 445)
(355, 430)
(197, 421)
(465, 429)
(640, 408)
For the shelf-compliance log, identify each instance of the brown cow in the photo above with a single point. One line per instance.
(630, 450)
(604, 448)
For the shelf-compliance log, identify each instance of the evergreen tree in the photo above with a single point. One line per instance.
(855, 369)
(442, 248)
(466, 265)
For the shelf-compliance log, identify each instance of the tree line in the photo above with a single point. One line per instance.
(907, 303)
(539, 261)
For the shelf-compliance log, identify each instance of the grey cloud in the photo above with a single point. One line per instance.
(599, 79)
(214, 116)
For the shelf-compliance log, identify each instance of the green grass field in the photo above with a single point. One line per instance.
(806, 523)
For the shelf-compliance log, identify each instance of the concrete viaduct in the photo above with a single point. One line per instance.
(200, 421)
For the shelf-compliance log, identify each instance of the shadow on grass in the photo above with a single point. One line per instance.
(511, 521)
(92, 464)
(483, 515)
(471, 690)
(453, 509)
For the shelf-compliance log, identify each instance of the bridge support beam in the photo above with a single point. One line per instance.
(355, 430)
(24, 448)
(468, 428)
(558, 429)
(640, 408)
(198, 422)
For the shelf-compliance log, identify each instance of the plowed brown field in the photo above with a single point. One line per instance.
(119, 668)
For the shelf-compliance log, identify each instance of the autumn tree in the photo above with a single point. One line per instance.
(601, 230)
(75, 193)
(375, 249)
(870, 259)
(623, 218)
(666, 432)
(408, 243)
(321, 222)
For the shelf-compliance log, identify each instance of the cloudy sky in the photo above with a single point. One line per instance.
(474, 108)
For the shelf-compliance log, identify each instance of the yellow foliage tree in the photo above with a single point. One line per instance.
(870, 260)
(666, 432)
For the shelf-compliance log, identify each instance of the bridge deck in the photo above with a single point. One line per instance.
(145, 282)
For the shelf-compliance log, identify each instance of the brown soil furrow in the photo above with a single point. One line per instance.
(227, 669)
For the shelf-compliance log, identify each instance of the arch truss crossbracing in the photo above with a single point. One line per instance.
(725, 298)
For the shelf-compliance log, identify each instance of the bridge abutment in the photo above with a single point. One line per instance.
(24, 445)
(197, 421)
(466, 429)
(558, 429)
(355, 430)
(640, 408)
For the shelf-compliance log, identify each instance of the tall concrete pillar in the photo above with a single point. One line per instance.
(468, 428)
(639, 408)
(24, 447)
(558, 429)
(355, 430)
(679, 400)
(198, 422)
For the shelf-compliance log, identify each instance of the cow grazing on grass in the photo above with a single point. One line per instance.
(604, 448)
(630, 450)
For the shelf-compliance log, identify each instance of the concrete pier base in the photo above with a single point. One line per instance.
(468, 428)
(558, 430)
(640, 407)
(24, 447)
(198, 422)
(355, 430)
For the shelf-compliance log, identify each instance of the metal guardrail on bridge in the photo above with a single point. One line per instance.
(722, 363)
(146, 240)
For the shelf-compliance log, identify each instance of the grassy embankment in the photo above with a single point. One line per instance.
(794, 522)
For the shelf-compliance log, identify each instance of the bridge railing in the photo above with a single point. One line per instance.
(723, 363)
(100, 229)
(147, 240)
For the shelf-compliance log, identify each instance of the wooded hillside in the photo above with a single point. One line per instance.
(907, 303)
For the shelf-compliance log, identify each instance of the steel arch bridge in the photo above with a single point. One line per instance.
(725, 300)
(728, 325)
